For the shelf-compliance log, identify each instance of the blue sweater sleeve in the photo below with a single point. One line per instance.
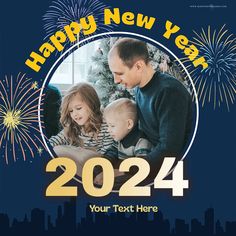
(172, 113)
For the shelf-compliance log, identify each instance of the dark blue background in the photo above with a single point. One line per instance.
(210, 165)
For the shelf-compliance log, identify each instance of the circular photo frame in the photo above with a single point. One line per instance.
(161, 58)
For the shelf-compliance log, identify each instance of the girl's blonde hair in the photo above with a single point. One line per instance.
(89, 96)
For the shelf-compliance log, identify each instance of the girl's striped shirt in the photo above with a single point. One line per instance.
(100, 144)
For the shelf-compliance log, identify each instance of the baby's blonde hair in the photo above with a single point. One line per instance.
(122, 106)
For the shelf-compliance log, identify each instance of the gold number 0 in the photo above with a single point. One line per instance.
(56, 188)
(108, 177)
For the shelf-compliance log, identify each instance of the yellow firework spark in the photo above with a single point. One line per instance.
(34, 85)
(40, 151)
(18, 117)
(11, 119)
(217, 83)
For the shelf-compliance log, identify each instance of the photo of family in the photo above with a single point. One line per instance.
(147, 111)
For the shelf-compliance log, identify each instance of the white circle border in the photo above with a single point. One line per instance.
(122, 33)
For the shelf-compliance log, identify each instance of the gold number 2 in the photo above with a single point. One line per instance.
(56, 188)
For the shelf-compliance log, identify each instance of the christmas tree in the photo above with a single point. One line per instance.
(101, 76)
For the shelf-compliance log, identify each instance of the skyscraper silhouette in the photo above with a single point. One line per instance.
(219, 229)
(181, 228)
(37, 220)
(209, 221)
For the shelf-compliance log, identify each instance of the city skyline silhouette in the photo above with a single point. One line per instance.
(41, 223)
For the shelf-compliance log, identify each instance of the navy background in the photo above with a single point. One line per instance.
(211, 163)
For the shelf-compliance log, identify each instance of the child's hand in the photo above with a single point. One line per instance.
(99, 178)
(118, 173)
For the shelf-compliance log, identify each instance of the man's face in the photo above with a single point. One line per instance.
(129, 77)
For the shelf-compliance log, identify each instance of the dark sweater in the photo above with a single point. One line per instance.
(134, 144)
(52, 105)
(165, 115)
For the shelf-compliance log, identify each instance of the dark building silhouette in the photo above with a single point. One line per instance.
(197, 227)
(89, 214)
(4, 222)
(37, 220)
(160, 223)
(66, 221)
(209, 221)
(181, 228)
(219, 229)
(49, 224)
(230, 228)
(116, 222)
(142, 217)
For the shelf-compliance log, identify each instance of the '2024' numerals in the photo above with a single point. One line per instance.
(129, 188)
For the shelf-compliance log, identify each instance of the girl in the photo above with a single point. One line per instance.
(83, 126)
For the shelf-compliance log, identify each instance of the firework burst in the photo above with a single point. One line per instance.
(63, 12)
(18, 117)
(217, 83)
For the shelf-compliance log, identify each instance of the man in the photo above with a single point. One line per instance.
(164, 104)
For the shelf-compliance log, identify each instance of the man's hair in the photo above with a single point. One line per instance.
(131, 50)
(122, 106)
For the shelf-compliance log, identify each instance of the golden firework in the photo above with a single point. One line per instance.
(217, 83)
(18, 117)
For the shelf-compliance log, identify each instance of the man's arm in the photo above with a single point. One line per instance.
(172, 111)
